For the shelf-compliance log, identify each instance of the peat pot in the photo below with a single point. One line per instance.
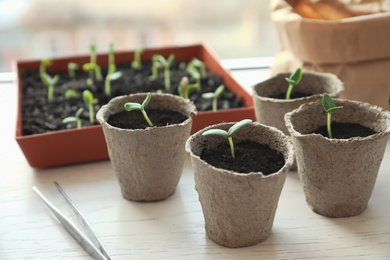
(148, 162)
(338, 175)
(270, 110)
(238, 208)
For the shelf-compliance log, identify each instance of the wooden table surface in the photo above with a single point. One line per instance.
(170, 229)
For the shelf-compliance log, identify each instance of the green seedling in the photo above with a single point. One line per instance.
(185, 87)
(92, 60)
(330, 107)
(166, 64)
(111, 55)
(198, 64)
(215, 95)
(293, 80)
(232, 130)
(135, 106)
(44, 64)
(111, 75)
(155, 67)
(72, 67)
(71, 93)
(90, 101)
(90, 84)
(88, 67)
(136, 63)
(75, 118)
(195, 76)
(50, 82)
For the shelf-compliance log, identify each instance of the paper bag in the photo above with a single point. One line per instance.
(350, 39)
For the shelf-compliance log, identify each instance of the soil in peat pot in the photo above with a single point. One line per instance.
(39, 116)
(250, 156)
(136, 120)
(344, 130)
(293, 95)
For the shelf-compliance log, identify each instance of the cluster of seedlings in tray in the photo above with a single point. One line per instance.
(190, 80)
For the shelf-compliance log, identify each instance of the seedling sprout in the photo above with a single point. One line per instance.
(136, 64)
(199, 64)
(90, 101)
(135, 106)
(330, 107)
(155, 66)
(195, 76)
(71, 93)
(166, 64)
(44, 64)
(72, 67)
(214, 96)
(185, 87)
(294, 79)
(111, 55)
(92, 47)
(94, 68)
(111, 75)
(50, 82)
(75, 118)
(232, 130)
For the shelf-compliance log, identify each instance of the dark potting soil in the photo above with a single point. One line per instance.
(345, 130)
(250, 156)
(39, 116)
(136, 120)
(293, 95)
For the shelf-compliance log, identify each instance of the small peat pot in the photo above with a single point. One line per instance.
(239, 207)
(338, 174)
(270, 100)
(148, 161)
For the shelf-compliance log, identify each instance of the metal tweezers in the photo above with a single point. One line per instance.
(92, 245)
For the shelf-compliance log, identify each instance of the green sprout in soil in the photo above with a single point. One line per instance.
(95, 69)
(90, 101)
(166, 64)
(330, 107)
(195, 76)
(92, 60)
(214, 96)
(75, 118)
(111, 55)
(198, 64)
(44, 64)
(50, 82)
(155, 67)
(135, 106)
(232, 130)
(72, 67)
(185, 87)
(71, 93)
(293, 80)
(111, 75)
(90, 84)
(136, 63)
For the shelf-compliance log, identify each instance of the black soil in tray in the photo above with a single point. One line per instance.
(136, 120)
(249, 157)
(345, 130)
(39, 116)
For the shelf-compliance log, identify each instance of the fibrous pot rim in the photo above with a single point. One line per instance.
(288, 155)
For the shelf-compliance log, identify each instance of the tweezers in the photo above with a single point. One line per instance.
(92, 245)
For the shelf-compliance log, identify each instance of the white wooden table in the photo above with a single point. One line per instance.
(170, 229)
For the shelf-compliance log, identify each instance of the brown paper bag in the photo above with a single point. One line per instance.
(347, 38)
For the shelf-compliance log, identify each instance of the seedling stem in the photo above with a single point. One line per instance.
(293, 80)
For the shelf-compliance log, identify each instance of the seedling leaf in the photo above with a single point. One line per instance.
(238, 126)
(132, 106)
(146, 101)
(216, 132)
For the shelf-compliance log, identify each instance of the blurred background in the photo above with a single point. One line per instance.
(36, 29)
